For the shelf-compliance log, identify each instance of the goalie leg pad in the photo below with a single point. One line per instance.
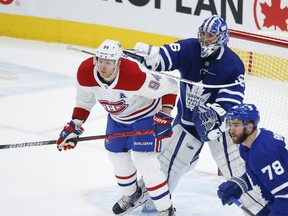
(227, 157)
(179, 155)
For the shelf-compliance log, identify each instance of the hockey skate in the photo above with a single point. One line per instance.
(128, 203)
(168, 212)
(149, 206)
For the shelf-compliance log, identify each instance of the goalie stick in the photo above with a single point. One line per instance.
(236, 202)
(106, 136)
(140, 58)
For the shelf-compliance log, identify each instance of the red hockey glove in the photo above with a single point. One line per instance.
(71, 130)
(162, 125)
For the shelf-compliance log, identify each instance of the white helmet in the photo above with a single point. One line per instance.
(110, 49)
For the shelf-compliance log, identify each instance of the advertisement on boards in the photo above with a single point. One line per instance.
(179, 18)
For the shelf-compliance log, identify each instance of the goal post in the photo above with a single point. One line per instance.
(265, 56)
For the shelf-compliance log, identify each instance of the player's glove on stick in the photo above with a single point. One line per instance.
(162, 125)
(235, 187)
(71, 130)
(208, 121)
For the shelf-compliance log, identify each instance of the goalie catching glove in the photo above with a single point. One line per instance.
(162, 125)
(72, 129)
(208, 121)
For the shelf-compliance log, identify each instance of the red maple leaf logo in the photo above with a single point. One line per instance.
(275, 15)
(6, 2)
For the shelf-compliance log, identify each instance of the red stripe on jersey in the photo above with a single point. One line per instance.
(169, 99)
(126, 177)
(156, 187)
(85, 74)
(158, 145)
(142, 110)
(131, 76)
(80, 113)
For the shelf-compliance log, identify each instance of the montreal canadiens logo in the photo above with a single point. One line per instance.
(271, 14)
(114, 107)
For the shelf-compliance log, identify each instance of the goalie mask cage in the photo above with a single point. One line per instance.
(265, 56)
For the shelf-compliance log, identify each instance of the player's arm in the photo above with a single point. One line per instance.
(273, 172)
(146, 54)
(156, 58)
(163, 120)
(85, 100)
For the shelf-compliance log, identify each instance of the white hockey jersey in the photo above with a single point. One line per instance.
(134, 94)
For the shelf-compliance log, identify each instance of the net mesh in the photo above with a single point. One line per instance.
(266, 77)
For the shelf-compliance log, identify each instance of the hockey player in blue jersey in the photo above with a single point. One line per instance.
(200, 110)
(266, 157)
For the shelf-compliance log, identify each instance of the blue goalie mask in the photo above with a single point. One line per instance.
(244, 112)
(212, 34)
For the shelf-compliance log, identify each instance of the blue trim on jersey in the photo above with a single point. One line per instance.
(161, 195)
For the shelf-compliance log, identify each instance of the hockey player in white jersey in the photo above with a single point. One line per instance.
(135, 100)
(201, 111)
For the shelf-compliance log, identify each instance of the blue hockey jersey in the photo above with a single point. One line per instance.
(225, 67)
(267, 169)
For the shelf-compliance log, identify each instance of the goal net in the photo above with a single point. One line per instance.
(265, 56)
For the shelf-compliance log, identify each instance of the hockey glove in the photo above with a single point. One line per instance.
(162, 125)
(234, 187)
(208, 121)
(151, 54)
(71, 130)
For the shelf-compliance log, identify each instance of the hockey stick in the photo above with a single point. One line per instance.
(106, 136)
(131, 53)
(246, 210)
(79, 50)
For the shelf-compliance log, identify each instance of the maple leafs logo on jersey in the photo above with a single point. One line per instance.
(258, 191)
(195, 96)
(275, 15)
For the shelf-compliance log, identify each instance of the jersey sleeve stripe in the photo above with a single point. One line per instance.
(231, 92)
(228, 100)
(279, 188)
